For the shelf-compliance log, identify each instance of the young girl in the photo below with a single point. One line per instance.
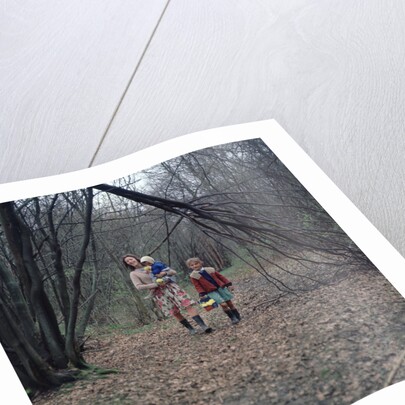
(209, 282)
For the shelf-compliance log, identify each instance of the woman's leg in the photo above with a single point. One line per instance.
(192, 311)
(176, 314)
(181, 300)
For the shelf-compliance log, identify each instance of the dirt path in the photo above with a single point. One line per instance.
(333, 345)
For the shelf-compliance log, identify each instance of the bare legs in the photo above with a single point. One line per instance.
(178, 316)
(231, 311)
(229, 304)
(192, 311)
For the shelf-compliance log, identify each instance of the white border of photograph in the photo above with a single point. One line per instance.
(384, 256)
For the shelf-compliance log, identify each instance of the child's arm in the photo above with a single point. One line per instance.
(227, 282)
(170, 272)
(198, 287)
(167, 272)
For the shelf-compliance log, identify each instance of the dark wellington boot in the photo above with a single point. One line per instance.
(202, 324)
(237, 314)
(188, 325)
(232, 317)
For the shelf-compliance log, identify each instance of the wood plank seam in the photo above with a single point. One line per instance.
(129, 84)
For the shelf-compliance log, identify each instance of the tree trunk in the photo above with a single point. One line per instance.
(36, 371)
(72, 350)
(18, 236)
(93, 292)
(58, 265)
(24, 316)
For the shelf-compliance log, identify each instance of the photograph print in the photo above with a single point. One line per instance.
(214, 277)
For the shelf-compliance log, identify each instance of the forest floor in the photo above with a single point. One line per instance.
(333, 345)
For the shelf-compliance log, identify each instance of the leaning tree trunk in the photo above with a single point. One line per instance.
(18, 237)
(72, 349)
(56, 251)
(26, 322)
(36, 371)
(57, 279)
(93, 292)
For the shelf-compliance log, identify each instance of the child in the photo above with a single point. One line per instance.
(209, 282)
(156, 268)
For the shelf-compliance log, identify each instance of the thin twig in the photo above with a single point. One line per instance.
(391, 376)
(270, 301)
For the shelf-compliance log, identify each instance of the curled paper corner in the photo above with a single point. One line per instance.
(392, 395)
(12, 391)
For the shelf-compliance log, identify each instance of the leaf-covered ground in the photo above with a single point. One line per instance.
(333, 345)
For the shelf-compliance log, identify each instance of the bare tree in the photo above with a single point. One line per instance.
(60, 267)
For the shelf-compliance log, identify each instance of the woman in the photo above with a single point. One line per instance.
(170, 298)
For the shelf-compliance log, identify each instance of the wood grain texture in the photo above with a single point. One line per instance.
(330, 72)
(63, 69)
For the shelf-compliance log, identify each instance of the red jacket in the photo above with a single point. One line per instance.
(203, 286)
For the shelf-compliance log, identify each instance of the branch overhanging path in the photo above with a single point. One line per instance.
(240, 224)
(194, 212)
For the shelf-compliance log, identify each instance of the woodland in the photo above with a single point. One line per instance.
(62, 279)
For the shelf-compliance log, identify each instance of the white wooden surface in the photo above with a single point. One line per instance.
(330, 72)
(63, 68)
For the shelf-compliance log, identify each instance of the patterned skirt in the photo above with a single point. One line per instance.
(170, 298)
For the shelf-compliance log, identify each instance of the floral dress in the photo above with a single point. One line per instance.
(170, 298)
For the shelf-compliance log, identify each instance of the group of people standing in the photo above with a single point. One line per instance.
(171, 299)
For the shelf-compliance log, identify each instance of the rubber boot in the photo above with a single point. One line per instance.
(236, 313)
(232, 316)
(188, 325)
(202, 324)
